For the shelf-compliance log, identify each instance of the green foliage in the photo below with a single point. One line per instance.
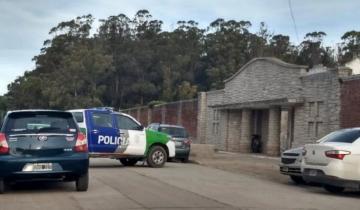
(132, 61)
(186, 90)
(350, 47)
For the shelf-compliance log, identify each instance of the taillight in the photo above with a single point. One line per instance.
(81, 144)
(337, 154)
(4, 147)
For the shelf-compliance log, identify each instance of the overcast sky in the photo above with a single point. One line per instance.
(24, 24)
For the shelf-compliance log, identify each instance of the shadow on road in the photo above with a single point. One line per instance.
(40, 187)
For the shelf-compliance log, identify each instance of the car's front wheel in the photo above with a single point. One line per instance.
(128, 161)
(334, 189)
(157, 157)
(2, 186)
(82, 182)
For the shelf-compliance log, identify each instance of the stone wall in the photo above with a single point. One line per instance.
(320, 113)
(298, 107)
(315, 112)
(264, 79)
(211, 136)
(183, 113)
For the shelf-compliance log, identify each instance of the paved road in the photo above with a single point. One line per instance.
(177, 186)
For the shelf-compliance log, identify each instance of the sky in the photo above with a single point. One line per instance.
(24, 24)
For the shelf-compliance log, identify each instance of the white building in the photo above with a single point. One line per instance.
(354, 64)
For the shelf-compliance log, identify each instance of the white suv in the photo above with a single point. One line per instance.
(335, 161)
(291, 164)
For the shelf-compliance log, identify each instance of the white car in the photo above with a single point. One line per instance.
(291, 164)
(335, 161)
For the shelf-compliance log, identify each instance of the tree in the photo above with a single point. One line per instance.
(280, 47)
(313, 52)
(186, 90)
(350, 46)
(132, 61)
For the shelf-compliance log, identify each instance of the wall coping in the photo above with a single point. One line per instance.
(268, 59)
(261, 104)
(159, 105)
(215, 91)
(351, 78)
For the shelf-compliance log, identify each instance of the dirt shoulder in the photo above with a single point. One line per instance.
(250, 164)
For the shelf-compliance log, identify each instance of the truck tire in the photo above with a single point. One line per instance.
(2, 186)
(128, 161)
(156, 157)
(297, 179)
(334, 189)
(82, 183)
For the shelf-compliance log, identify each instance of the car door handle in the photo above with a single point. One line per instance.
(95, 131)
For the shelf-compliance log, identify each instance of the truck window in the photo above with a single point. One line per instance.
(126, 123)
(79, 117)
(101, 120)
(174, 131)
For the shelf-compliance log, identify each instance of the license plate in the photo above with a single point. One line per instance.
(178, 143)
(312, 172)
(38, 167)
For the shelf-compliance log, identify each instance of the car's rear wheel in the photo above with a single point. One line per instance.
(128, 161)
(185, 160)
(157, 157)
(82, 182)
(2, 186)
(334, 189)
(297, 179)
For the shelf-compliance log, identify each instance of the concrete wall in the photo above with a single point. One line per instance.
(183, 113)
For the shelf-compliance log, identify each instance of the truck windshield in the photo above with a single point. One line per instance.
(174, 131)
(40, 122)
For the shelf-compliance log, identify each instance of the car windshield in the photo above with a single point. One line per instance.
(174, 131)
(40, 122)
(345, 136)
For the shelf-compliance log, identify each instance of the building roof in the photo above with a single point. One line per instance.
(268, 59)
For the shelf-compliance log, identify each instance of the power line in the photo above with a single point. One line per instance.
(293, 19)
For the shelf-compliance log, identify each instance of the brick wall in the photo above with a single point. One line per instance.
(177, 113)
(350, 103)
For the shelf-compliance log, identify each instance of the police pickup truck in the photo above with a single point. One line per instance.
(119, 136)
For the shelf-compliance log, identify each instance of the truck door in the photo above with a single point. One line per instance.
(103, 135)
(133, 135)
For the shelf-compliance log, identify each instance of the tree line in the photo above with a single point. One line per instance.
(133, 61)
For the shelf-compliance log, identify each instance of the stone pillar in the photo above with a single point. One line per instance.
(284, 129)
(273, 142)
(245, 134)
(202, 118)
